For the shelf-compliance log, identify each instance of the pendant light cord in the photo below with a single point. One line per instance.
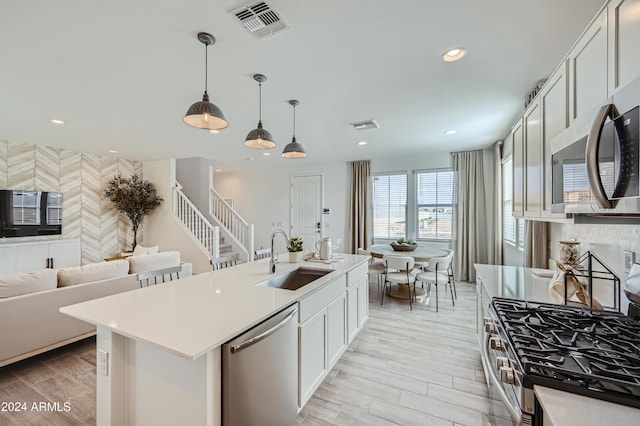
(294, 121)
(206, 63)
(260, 101)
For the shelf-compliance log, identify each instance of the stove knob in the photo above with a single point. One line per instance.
(490, 327)
(496, 344)
(502, 362)
(507, 376)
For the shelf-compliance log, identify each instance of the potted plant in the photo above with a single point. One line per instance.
(295, 249)
(134, 197)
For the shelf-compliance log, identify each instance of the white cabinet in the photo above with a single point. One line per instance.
(624, 34)
(555, 119)
(533, 160)
(336, 329)
(588, 69)
(34, 256)
(517, 140)
(329, 320)
(313, 358)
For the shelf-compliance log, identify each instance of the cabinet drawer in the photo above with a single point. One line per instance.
(321, 298)
(356, 274)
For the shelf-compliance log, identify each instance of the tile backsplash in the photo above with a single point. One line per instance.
(608, 242)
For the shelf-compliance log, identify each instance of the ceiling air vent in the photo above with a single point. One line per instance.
(367, 124)
(260, 19)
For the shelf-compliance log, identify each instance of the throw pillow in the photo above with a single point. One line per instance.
(145, 250)
(28, 282)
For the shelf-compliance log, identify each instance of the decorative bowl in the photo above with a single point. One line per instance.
(403, 246)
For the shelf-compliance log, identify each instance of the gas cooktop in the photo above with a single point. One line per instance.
(576, 349)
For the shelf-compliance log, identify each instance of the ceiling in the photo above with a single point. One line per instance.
(123, 73)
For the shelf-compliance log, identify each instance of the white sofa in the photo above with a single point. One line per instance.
(31, 323)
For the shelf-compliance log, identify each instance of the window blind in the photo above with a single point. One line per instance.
(435, 194)
(389, 206)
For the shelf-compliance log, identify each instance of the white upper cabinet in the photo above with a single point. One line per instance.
(624, 35)
(554, 101)
(588, 69)
(533, 160)
(517, 141)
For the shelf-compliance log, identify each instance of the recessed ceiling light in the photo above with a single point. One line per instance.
(266, 154)
(450, 132)
(218, 170)
(214, 131)
(57, 121)
(454, 54)
(362, 143)
(113, 151)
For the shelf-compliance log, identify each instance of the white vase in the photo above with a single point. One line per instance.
(295, 256)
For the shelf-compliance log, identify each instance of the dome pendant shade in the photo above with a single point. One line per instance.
(205, 115)
(293, 149)
(259, 138)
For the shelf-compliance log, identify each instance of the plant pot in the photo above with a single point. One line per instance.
(295, 256)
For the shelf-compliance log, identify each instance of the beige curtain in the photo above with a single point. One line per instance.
(470, 243)
(536, 244)
(497, 258)
(360, 233)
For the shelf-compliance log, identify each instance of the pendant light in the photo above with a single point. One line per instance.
(259, 138)
(294, 149)
(204, 114)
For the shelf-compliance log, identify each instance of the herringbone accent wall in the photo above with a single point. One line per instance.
(86, 214)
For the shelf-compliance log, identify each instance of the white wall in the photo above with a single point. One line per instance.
(262, 197)
(193, 175)
(161, 227)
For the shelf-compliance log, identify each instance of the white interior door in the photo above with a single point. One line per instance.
(306, 209)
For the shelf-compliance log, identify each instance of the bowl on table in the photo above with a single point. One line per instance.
(403, 246)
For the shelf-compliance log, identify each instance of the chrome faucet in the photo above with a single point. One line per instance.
(274, 258)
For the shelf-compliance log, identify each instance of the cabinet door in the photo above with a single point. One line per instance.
(588, 62)
(313, 354)
(352, 312)
(624, 34)
(336, 329)
(533, 160)
(555, 119)
(363, 301)
(65, 253)
(7, 260)
(31, 257)
(518, 169)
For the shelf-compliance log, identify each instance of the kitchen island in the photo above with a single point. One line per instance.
(158, 348)
(557, 407)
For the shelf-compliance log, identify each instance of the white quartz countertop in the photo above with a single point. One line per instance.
(567, 409)
(513, 282)
(193, 315)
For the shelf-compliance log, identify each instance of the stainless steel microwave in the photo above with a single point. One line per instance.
(599, 174)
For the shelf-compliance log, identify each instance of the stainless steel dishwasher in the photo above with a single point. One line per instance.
(260, 373)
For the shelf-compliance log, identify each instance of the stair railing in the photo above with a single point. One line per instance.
(201, 229)
(238, 229)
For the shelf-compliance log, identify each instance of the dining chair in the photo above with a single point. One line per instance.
(224, 261)
(262, 254)
(437, 273)
(375, 267)
(452, 281)
(399, 270)
(159, 276)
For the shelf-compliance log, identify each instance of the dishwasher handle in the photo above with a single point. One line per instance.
(264, 335)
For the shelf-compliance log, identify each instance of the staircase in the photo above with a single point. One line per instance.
(233, 226)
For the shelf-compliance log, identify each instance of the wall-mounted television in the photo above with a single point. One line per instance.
(30, 213)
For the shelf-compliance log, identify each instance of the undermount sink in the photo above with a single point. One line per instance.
(295, 279)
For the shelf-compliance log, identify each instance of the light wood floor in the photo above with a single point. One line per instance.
(404, 368)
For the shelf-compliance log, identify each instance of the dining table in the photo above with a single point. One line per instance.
(422, 253)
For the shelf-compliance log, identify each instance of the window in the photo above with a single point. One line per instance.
(26, 208)
(512, 228)
(389, 206)
(434, 201)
